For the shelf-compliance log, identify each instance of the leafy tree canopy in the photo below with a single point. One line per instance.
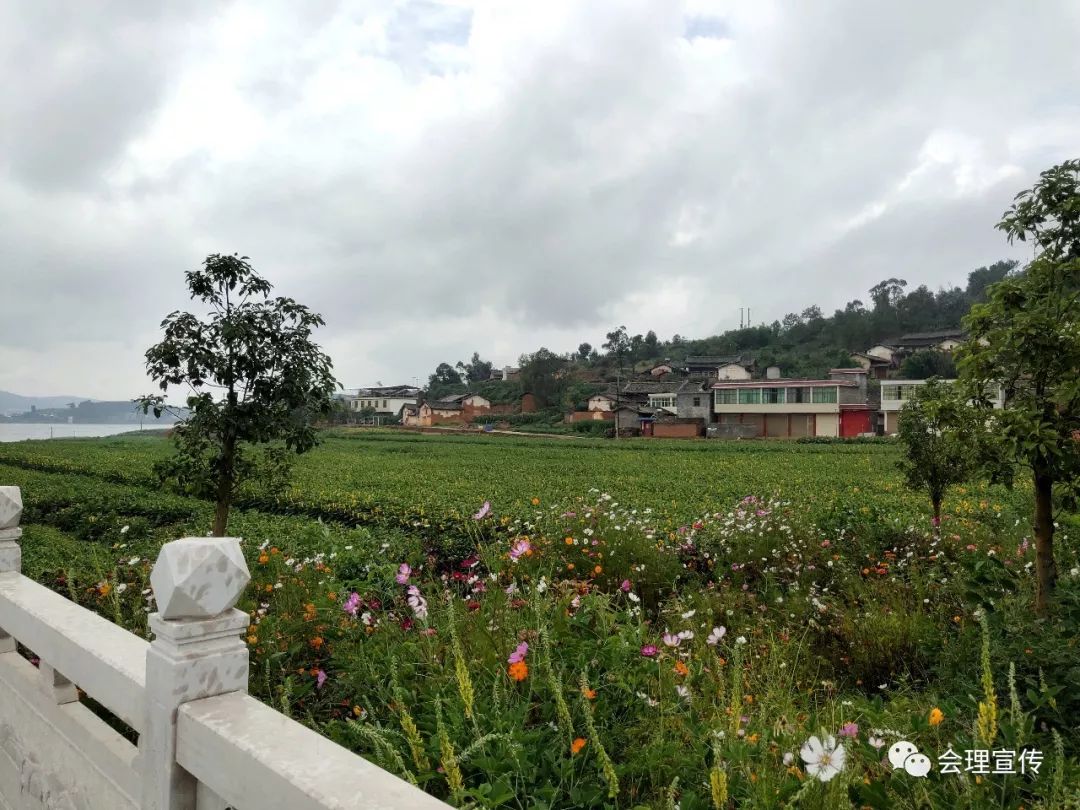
(256, 377)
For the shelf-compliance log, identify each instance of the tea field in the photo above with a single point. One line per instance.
(541, 623)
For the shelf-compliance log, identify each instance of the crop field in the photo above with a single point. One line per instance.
(541, 623)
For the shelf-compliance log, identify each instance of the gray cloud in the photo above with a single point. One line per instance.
(439, 177)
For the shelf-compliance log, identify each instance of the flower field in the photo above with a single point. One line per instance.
(548, 623)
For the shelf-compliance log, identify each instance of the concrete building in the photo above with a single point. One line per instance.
(791, 408)
(385, 400)
(896, 393)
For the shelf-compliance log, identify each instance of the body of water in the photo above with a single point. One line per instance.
(14, 432)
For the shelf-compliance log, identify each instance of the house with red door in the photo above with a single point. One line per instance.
(793, 408)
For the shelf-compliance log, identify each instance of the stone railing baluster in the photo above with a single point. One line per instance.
(197, 652)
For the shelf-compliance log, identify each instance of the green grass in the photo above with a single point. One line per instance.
(852, 612)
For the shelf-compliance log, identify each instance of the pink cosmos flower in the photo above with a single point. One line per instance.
(649, 650)
(320, 679)
(935, 522)
(672, 640)
(483, 511)
(519, 654)
(352, 604)
(403, 574)
(849, 730)
(519, 548)
(625, 587)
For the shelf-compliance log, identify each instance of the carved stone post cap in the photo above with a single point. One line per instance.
(10, 507)
(199, 577)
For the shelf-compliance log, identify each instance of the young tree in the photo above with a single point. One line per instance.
(270, 378)
(939, 434)
(542, 375)
(1026, 339)
(584, 351)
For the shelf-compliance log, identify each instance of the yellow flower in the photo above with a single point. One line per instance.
(936, 716)
(577, 745)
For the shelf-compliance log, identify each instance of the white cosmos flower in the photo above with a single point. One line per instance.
(715, 636)
(689, 614)
(824, 758)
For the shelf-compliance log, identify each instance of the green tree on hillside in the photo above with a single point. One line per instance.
(1026, 338)
(926, 364)
(543, 375)
(258, 381)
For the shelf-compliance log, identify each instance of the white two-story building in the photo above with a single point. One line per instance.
(386, 401)
(895, 393)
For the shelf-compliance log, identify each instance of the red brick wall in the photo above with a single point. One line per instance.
(677, 430)
(528, 404)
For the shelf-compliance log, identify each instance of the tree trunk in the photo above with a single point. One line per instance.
(225, 485)
(936, 522)
(1045, 567)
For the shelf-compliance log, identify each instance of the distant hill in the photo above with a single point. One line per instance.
(71, 410)
(16, 403)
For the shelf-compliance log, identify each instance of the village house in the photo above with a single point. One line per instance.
(896, 393)
(382, 400)
(791, 408)
(876, 367)
(728, 367)
(944, 340)
(458, 409)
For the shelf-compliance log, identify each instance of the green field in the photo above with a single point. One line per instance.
(597, 555)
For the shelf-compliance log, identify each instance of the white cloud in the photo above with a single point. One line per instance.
(444, 177)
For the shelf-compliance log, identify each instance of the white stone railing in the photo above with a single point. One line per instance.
(203, 742)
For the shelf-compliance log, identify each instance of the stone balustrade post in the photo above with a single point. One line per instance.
(198, 652)
(10, 551)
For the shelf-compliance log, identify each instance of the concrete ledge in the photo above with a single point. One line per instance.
(252, 756)
(106, 661)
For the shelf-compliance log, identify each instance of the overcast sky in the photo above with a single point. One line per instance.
(442, 176)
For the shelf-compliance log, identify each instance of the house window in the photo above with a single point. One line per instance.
(749, 396)
(727, 396)
(825, 395)
(890, 392)
(773, 396)
(384, 403)
(697, 402)
(798, 395)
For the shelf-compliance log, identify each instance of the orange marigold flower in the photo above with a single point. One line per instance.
(589, 693)
(598, 570)
(535, 501)
(569, 541)
(264, 558)
(105, 589)
(274, 550)
(317, 642)
(681, 668)
(936, 716)
(577, 745)
(518, 670)
(569, 566)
